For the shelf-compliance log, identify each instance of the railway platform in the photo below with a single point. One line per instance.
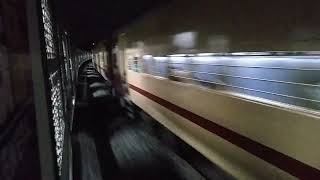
(114, 141)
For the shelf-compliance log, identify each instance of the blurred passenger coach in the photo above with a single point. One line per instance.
(241, 86)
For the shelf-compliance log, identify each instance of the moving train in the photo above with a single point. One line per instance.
(241, 86)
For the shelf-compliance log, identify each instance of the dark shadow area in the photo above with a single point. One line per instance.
(113, 140)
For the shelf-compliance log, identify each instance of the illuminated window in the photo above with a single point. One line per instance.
(269, 77)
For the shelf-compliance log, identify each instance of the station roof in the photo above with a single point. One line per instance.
(90, 21)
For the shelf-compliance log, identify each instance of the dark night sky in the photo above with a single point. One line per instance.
(93, 20)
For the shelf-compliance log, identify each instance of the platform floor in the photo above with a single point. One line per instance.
(113, 140)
